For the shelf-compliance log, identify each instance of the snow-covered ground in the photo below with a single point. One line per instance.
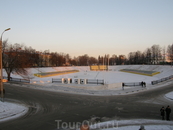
(111, 76)
(10, 110)
(169, 95)
(129, 125)
(113, 79)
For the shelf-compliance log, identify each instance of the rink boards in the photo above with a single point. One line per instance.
(141, 72)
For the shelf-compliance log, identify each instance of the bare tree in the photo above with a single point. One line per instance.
(99, 60)
(83, 60)
(73, 61)
(54, 59)
(164, 54)
(32, 55)
(148, 55)
(92, 61)
(112, 59)
(57, 59)
(121, 59)
(156, 54)
(15, 59)
(170, 53)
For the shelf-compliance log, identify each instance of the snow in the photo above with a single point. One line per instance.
(169, 95)
(150, 127)
(133, 124)
(112, 77)
(10, 110)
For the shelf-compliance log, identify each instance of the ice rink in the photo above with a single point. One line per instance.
(112, 76)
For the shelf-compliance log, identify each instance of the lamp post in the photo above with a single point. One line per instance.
(1, 68)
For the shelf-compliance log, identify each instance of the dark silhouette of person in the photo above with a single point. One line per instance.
(168, 112)
(123, 86)
(162, 113)
(142, 84)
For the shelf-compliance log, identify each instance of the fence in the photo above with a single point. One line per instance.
(18, 80)
(95, 81)
(133, 84)
(56, 80)
(161, 80)
(143, 84)
(80, 81)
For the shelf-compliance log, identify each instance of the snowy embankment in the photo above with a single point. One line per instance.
(169, 95)
(113, 78)
(11, 110)
(113, 75)
(133, 124)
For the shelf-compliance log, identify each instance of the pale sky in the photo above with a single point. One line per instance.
(93, 27)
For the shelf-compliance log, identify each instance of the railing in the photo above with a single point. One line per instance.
(95, 81)
(56, 80)
(143, 84)
(133, 84)
(18, 80)
(81, 81)
(161, 80)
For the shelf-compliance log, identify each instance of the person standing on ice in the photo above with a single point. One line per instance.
(162, 113)
(168, 111)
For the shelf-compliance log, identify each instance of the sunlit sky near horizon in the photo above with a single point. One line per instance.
(93, 27)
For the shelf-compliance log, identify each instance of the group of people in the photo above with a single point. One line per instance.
(168, 112)
(143, 84)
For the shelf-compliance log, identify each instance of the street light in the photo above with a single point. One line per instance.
(1, 68)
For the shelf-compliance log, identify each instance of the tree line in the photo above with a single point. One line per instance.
(153, 55)
(18, 57)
